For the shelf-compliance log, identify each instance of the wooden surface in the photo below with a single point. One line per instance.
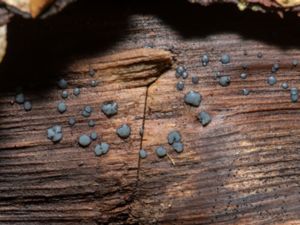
(243, 168)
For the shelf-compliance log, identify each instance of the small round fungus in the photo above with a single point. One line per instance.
(294, 94)
(180, 85)
(94, 135)
(61, 107)
(224, 81)
(272, 80)
(20, 98)
(295, 62)
(64, 94)
(205, 60)
(243, 76)
(72, 121)
(109, 108)
(143, 154)
(178, 147)
(91, 123)
(225, 59)
(94, 83)
(55, 133)
(245, 66)
(84, 140)
(193, 98)
(275, 68)
(174, 136)
(92, 72)
(245, 92)
(27, 105)
(185, 75)
(179, 71)
(259, 55)
(62, 83)
(76, 91)
(85, 114)
(204, 118)
(285, 85)
(195, 79)
(88, 109)
(101, 149)
(161, 152)
(124, 131)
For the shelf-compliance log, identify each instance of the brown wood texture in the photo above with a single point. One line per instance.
(243, 168)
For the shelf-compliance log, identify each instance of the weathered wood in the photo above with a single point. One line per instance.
(243, 168)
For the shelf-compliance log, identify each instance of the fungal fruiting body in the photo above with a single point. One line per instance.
(87, 110)
(61, 107)
(62, 83)
(161, 152)
(185, 75)
(174, 136)
(71, 121)
(94, 83)
(295, 62)
(272, 80)
(124, 131)
(193, 98)
(94, 135)
(205, 60)
(243, 76)
(259, 55)
(178, 147)
(76, 91)
(20, 98)
(27, 105)
(101, 148)
(55, 133)
(91, 123)
(224, 81)
(245, 91)
(64, 94)
(143, 154)
(179, 71)
(294, 93)
(225, 59)
(109, 108)
(195, 79)
(275, 68)
(285, 85)
(180, 86)
(84, 140)
(204, 118)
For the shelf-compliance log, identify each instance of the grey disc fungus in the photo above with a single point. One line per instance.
(64, 94)
(195, 79)
(275, 68)
(101, 149)
(87, 110)
(143, 154)
(185, 75)
(94, 83)
(27, 105)
(109, 108)
(174, 136)
(205, 60)
(72, 121)
(180, 86)
(259, 55)
(225, 59)
(245, 66)
(124, 131)
(193, 98)
(285, 85)
(94, 135)
(161, 152)
(179, 71)
(204, 118)
(62, 83)
(84, 140)
(295, 62)
(294, 94)
(55, 133)
(92, 72)
(243, 76)
(271, 80)
(91, 123)
(224, 81)
(178, 147)
(85, 114)
(245, 92)
(20, 98)
(61, 107)
(76, 91)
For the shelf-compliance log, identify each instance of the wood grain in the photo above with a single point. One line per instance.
(243, 168)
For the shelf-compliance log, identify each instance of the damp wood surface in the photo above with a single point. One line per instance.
(243, 168)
